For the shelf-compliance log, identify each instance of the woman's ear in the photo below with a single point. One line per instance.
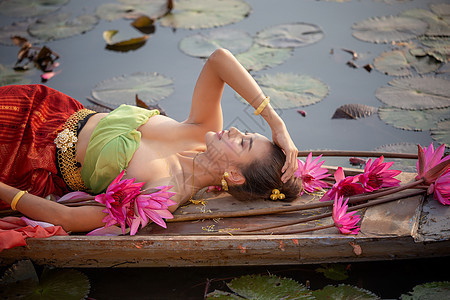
(235, 177)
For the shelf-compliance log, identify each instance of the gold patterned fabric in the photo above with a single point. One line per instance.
(66, 153)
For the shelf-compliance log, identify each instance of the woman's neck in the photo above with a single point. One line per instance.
(198, 172)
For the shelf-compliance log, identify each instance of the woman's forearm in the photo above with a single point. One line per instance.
(77, 219)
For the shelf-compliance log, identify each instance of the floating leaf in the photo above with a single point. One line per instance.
(268, 287)
(436, 26)
(203, 44)
(113, 11)
(353, 111)
(417, 120)
(16, 29)
(416, 93)
(259, 57)
(288, 90)
(399, 62)
(60, 26)
(221, 295)
(123, 89)
(442, 10)
(334, 271)
(132, 9)
(29, 8)
(388, 29)
(125, 45)
(21, 282)
(144, 24)
(343, 292)
(439, 47)
(290, 35)
(192, 14)
(431, 291)
(441, 133)
(9, 76)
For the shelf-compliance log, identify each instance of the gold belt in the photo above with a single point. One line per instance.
(65, 154)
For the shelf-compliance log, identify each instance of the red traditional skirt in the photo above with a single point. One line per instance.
(30, 118)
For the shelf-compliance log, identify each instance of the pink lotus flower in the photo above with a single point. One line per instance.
(214, 188)
(153, 206)
(430, 163)
(441, 188)
(344, 186)
(377, 175)
(311, 173)
(345, 222)
(118, 200)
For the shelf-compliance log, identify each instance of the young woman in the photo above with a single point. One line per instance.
(38, 123)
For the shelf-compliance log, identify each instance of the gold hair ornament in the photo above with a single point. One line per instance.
(262, 106)
(224, 182)
(17, 198)
(277, 195)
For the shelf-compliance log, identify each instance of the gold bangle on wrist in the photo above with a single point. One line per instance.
(262, 105)
(17, 198)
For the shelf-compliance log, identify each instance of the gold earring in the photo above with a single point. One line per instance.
(224, 182)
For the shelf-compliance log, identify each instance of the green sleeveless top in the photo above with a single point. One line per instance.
(112, 145)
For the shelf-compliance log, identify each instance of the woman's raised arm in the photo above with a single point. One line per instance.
(223, 68)
(76, 219)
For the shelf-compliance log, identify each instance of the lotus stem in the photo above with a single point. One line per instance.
(325, 215)
(77, 200)
(358, 153)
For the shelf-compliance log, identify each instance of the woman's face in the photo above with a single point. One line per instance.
(236, 148)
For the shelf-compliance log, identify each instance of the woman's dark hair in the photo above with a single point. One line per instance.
(264, 175)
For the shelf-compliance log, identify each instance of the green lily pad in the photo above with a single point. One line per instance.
(150, 87)
(30, 8)
(343, 292)
(192, 14)
(388, 29)
(9, 76)
(290, 35)
(417, 120)
(268, 287)
(334, 271)
(60, 26)
(132, 9)
(439, 47)
(259, 57)
(400, 62)
(429, 291)
(113, 11)
(441, 133)
(416, 93)
(21, 282)
(442, 10)
(221, 295)
(203, 44)
(16, 29)
(436, 25)
(288, 90)
(404, 165)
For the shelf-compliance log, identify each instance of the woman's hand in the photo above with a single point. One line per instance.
(281, 137)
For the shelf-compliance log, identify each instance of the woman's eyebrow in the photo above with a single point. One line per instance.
(251, 144)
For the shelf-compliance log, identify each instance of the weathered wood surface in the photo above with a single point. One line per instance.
(388, 231)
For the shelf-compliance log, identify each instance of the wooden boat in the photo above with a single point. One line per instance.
(414, 226)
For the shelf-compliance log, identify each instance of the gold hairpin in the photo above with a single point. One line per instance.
(276, 194)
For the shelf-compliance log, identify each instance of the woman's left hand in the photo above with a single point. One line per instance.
(282, 138)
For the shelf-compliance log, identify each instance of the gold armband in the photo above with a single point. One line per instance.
(17, 198)
(262, 106)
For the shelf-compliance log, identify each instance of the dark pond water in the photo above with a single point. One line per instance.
(85, 62)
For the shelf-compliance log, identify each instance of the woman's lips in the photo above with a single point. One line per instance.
(220, 134)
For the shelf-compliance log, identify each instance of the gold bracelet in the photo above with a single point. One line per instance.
(17, 198)
(262, 105)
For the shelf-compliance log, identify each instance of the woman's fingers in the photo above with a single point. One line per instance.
(290, 166)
